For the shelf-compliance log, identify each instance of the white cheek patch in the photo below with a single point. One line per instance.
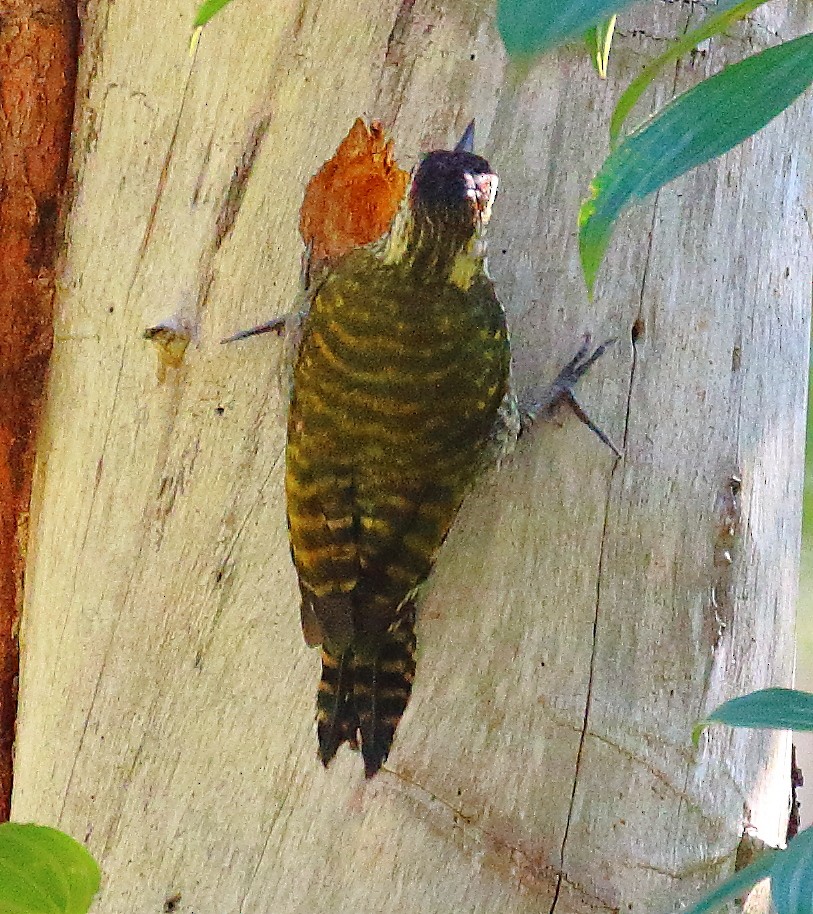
(481, 189)
(488, 189)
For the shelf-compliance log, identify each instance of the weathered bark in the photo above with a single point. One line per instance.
(584, 612)
(37, 68)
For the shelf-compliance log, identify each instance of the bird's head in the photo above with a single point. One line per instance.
(454, 188)
(439, 228)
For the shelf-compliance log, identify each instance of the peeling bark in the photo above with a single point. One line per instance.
(37, 67)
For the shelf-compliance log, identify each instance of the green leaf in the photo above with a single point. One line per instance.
(599, 40)
(207, 10)
(772, 709)
(532, 26)
(735, 886)
(44, 871)
(713, 25)
(792, 876)
(699, 125)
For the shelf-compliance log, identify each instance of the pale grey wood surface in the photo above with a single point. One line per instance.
(570, 640)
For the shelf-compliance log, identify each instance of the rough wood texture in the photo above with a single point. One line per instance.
(571, 637)
(37, 68)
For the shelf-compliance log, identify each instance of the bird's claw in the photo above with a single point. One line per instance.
(281, 325)
(562, 391)
(276, 325)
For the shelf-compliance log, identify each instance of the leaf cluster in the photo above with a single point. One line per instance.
(790, 870)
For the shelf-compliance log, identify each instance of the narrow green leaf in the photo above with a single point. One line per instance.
(194, 41)
(599, 39)
(44, 871)
(591, 40)
(207, 10)
(773, 709)
(532, 26)
(713, 25)
(735, 886)
(792, 876)
(699, 125)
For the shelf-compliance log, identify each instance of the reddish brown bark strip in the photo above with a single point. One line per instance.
(38, 41)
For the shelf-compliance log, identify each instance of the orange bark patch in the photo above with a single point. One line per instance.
(37, 68)
(352, 199)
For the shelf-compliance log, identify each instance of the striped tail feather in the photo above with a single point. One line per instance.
(382, 685)
(336, 718)
(366, 691)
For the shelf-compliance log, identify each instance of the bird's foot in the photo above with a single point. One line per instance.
(562, 391)
(277, 325)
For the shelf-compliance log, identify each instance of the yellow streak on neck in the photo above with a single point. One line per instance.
(393, 248)
(468, 263)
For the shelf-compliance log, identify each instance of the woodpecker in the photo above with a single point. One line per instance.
(401, 393)
(401, 396)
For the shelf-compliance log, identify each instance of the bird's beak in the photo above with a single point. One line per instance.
(466, 142)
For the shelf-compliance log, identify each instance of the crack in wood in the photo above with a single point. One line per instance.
(225, 560)
(162, 178)
(458, 814)
(299, 21)
(204, 165)
(397, 66)
(702, 868)
(530, 867)
(657, 774)
(589, 697)
(397, 36)
(236, 190)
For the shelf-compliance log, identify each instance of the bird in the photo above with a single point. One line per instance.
(400, 397)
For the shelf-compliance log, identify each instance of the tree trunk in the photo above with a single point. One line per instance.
(585, 612)
(37, 68)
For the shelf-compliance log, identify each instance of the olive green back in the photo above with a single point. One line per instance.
(395, 397)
